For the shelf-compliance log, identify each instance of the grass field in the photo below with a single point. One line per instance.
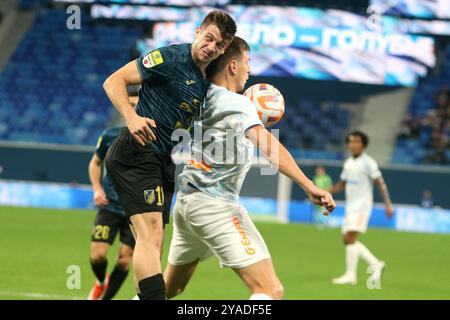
(38, 245)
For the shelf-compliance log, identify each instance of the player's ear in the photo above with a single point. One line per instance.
(198, 31)
(232, 66)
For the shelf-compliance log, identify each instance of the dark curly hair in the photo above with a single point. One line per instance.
(362, 135)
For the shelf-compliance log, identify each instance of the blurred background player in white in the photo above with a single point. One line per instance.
(207, 216)
(358, 175)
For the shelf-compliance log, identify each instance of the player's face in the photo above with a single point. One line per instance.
(208, 44)
(243, 71)
(355, 145)
(320, 171)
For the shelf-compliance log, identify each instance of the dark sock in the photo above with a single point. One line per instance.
(116, 279)
(100, 270)
(153, 288)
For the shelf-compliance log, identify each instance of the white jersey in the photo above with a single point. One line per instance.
(224, 156)
(358, 174)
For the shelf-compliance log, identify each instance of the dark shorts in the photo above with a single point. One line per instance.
(144, 179)
(106, 226)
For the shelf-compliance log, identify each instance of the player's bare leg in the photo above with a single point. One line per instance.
(177, 277)
(135, 281)
(99, 251)
(120, 271)
(262, 280)
(350, 237)
(125, 256)
(146, 258)
(98, 259)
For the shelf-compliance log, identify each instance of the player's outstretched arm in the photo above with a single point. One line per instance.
(95, 165)
(116, 89)
(280, 157)
(384, 192)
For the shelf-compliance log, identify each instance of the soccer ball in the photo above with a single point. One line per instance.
(269, 102)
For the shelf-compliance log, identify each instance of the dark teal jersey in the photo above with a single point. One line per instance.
(172, 91)
(104, 142)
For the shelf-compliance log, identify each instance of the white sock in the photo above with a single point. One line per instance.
(351, 259)
(366, 254)
(136, 297)
(259, 296)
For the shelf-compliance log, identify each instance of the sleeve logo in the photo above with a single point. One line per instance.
(152, 59)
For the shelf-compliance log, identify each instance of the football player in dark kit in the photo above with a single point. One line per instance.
(173, 86)
(110, 220)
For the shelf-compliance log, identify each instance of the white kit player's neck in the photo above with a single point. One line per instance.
(358, 157)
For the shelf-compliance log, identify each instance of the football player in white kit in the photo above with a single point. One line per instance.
(359, 174)
(208, 219)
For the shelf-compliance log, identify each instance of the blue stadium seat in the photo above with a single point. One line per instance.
(423, 100)
(59, 96)
(61, 85)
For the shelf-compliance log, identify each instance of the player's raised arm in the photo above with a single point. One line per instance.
(280, 157)
(384, 192)
(116, 89)
(95, 165)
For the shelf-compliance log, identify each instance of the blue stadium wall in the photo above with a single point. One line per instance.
(63, 166)
(65, 196)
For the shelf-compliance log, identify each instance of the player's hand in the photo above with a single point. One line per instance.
(322, 198)
(140, 128)
(389, 211)
(100, 198)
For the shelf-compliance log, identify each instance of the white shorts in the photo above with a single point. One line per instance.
(203, 226)
(356, 221)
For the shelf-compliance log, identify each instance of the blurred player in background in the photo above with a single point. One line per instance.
(173, 87)
(110, 220)
(427, 200)
(358, 175)
(322, 180)
(207, 216)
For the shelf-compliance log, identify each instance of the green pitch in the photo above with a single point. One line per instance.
(38, 245)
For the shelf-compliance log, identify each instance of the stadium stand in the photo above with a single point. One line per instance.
(30, 4)
(314, 130)
(51, 90)
(425, 132)
(43, 104)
